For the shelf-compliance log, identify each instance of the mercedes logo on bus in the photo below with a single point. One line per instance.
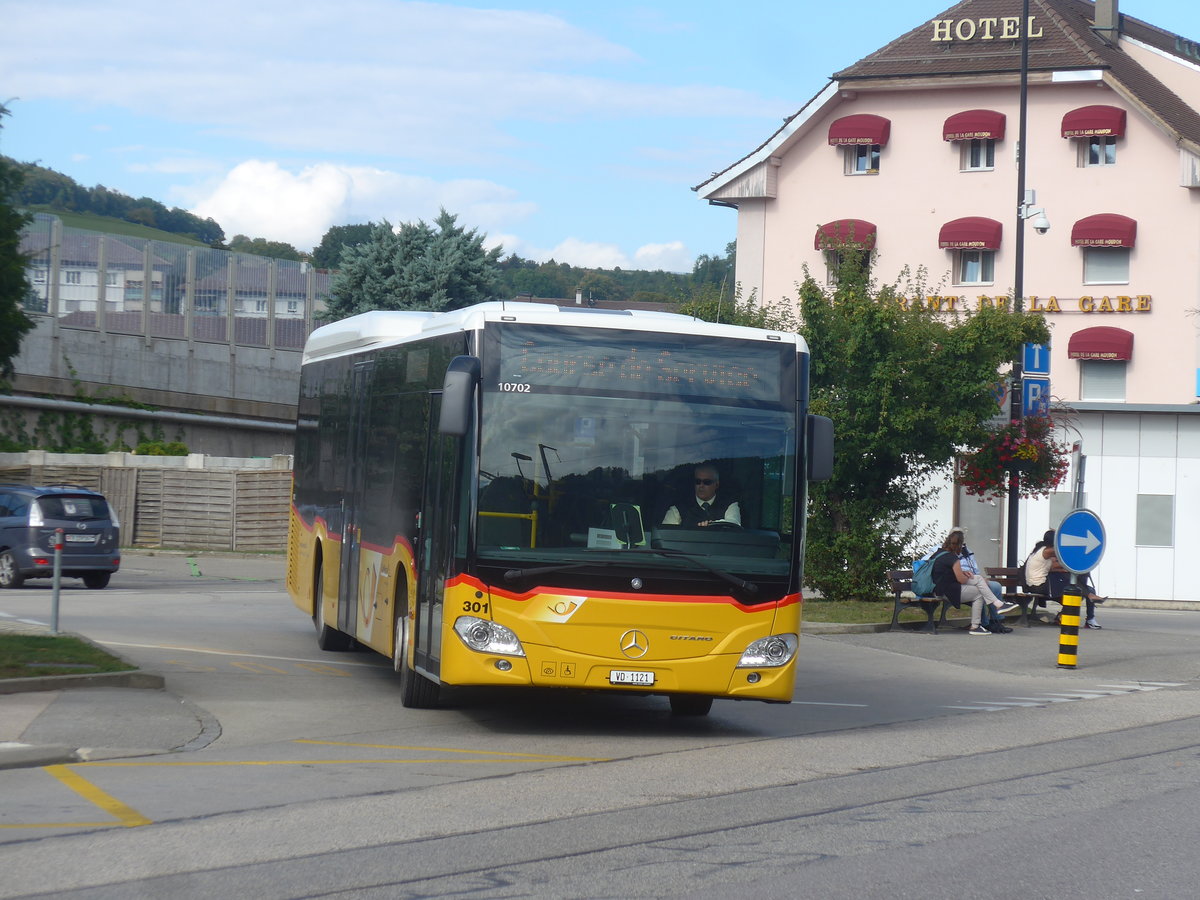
(635, 644)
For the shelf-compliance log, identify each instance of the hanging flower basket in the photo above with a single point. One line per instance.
(1026, 450)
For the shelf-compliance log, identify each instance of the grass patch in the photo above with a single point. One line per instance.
(857, 612)
(109, 225)
(32, 656)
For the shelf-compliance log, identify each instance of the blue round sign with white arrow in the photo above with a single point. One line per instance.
(1079, 541)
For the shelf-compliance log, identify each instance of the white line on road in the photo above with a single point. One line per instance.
(234, 653)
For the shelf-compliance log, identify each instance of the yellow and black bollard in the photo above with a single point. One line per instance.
(1068, 638)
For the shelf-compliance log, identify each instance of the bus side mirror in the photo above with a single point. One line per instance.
(820, 448)
(458, 395)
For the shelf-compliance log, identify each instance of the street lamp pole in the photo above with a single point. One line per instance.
(1016, 413)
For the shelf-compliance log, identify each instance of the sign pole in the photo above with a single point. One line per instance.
(56, 582)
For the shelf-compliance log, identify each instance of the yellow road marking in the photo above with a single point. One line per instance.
(128, 817)
(258, 668)
(322, 669)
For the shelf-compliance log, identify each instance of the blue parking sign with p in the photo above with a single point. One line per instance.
(1035, 396)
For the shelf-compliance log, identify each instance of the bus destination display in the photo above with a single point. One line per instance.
(638, 363)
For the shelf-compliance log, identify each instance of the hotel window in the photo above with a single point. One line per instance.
(110, 279)
(1102, 379)
(975, 267)
(978, 155)
(72, 277)
(1105, 265)
(1098, 151)
(260, 306)
(39, 276)
(862, 159)
(293, 306)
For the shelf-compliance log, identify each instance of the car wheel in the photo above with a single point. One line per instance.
(10, 575)
(416, 691)
(328, 637)
(97, 580)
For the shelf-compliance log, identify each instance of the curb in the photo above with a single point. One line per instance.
(135, 678)
(28, 756)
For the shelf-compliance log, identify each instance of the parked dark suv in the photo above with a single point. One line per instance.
(29, 517)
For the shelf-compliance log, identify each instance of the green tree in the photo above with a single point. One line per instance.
(262, 247)
(14, 280)
(906, 384)
(328, 253)
(600, 286)
(415, 267)
(715, 303)
(715, 269)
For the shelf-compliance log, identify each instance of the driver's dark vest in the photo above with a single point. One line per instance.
(690, 512)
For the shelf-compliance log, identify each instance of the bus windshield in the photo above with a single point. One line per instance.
(598, 445)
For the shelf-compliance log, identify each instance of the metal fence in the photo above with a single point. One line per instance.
(128, 285)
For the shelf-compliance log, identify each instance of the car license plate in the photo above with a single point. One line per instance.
(626, 676)
(80, 538)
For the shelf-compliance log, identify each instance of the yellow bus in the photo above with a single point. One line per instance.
(510, 495)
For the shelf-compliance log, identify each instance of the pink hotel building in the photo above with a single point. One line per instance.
(912, 151)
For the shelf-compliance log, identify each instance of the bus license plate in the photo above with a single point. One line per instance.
(80, 538)
(626, 676)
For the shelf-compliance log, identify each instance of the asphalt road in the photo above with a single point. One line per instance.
(908, 765)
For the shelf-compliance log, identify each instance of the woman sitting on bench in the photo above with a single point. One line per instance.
(951, 582)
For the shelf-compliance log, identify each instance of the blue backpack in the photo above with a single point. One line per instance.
(922, 583)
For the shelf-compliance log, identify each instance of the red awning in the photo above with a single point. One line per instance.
(860, 129)
(1104, 230)
(1094, 121)
(1101, 342)
(845, 233)
(974, 124)
(971, 233)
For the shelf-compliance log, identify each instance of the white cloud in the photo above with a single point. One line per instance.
(262, 198)
(422, 80)
(589, 254)
(670, 257)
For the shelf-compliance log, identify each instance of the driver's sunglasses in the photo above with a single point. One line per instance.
(706, 481)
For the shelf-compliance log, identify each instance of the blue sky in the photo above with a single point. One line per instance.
(572, 130)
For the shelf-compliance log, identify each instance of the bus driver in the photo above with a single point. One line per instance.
(706, 506)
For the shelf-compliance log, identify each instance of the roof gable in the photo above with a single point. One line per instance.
(981, 38)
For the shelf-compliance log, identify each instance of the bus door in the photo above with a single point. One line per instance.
(352, 497)
(436, 540)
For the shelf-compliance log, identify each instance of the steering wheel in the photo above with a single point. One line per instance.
(724, 526)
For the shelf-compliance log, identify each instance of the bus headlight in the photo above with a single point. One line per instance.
(485, 636)
(773, 651)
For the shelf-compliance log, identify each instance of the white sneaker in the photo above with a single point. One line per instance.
(979, 630)
(1006, 608)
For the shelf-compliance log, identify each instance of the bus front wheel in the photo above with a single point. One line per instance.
(416, 691)
(690, 704)
(328, 637)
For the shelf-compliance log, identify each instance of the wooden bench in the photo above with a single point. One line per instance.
(1012, 583)
(901, 584)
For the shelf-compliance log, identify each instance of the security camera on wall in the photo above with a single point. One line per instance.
(1041, 224)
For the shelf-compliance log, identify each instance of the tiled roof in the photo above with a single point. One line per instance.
(1067, 42)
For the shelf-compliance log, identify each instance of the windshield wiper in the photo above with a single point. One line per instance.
(516, 574)
(747, 587)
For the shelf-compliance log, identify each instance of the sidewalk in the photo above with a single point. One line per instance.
(73, 718)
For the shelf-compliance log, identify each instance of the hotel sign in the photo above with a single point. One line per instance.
(1138, 303)
(989, 28)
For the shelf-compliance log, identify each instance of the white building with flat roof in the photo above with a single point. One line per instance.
(912, 152)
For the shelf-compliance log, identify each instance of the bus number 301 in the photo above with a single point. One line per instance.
(514, 387)
(474, 606)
